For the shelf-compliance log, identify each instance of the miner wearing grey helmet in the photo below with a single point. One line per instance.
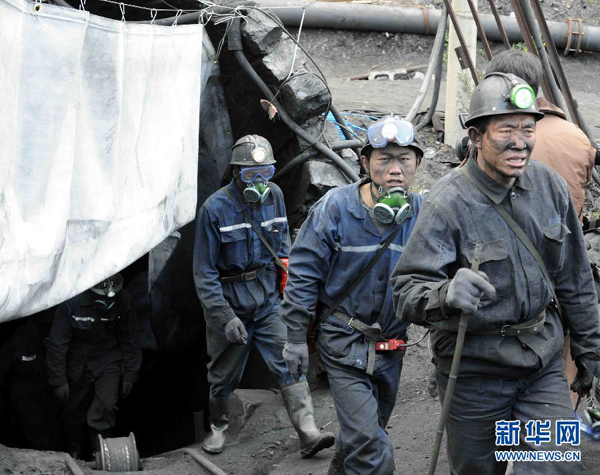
(242, 244)
(499, 240)
(339, 279)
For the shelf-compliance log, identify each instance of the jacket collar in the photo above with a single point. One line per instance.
(236, 195)
(494, 190)
(547, 107)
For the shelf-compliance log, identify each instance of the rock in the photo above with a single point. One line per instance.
(244, 403)
(305, 96)
(275, 67)
(260, 33)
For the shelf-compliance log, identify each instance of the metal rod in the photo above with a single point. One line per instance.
(551, 89)
(555, 62)
(75, 469)
(461, 40)
(460, 339)
(207, 464)
(480, 32)
(499, 23)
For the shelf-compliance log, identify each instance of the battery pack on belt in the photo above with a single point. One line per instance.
(390, 345)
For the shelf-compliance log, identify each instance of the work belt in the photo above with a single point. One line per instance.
(372, 332)
(244, 276)
(528, 327)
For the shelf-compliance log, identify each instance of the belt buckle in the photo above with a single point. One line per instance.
(249, 276)
(350, 322)
(503, 330)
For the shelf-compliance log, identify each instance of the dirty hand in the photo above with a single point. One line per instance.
(126, 388)
(587, 368)
(466, 290)
(296, 358)
(235, 332)
(62, 392)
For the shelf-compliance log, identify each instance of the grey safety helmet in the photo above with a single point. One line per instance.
(501, 94)
(252, 150)
(109, 287)
(391, 129)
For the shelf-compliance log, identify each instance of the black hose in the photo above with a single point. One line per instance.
(311, 153)
(436, 54)
(234, 41)
(436, 89)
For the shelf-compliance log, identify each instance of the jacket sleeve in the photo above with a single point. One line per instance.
(309, 266)
(206, 276)
(58, 345)
(127, 336)
(423, 273)
(574, 287)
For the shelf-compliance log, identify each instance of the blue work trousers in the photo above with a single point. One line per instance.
(227, 361)
(364, 405)
(478, 402)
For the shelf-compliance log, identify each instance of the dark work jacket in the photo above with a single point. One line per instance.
(23, 357)
(227, 245)
(456, 216)
(336, 242)
(85, 337)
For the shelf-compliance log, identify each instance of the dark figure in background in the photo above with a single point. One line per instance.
(35, 414)
(511, 369)
(236, 282)
(93, 350)
(558, 143)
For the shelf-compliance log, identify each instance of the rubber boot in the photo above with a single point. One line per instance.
(298, 404)
(336, 467)
(214, 442)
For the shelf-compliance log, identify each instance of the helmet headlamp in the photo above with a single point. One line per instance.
(521, 95)
(259, 154)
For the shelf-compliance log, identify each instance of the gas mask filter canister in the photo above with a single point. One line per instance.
(392, 206)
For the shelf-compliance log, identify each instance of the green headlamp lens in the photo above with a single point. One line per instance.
(522, 96)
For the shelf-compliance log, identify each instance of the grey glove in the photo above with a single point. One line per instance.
(587, 368)
(296, 358)
(62, 392)
(466, 290)
(235, 332)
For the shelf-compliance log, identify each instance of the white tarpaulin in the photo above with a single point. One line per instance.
(98, 147)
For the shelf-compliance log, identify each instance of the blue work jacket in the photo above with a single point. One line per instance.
(227, 245)
(336, 242)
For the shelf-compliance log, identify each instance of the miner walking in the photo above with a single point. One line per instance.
(241, 238)
(515, 219)
(339, 275)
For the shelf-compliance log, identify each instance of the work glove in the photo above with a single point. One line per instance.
(62, 392)
(587, 368)
(235, 332)
(466, 290)
(296, 358)
(126, 388)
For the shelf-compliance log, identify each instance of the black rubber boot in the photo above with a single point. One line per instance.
(298, 404)
(214, 442)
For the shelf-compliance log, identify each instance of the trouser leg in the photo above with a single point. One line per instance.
(101, 416)
(227, 361)
(368, 449)
(270, 336)
(544, 397)
(477, 403)
(81, 394)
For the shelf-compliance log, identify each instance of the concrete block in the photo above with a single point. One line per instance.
(260, 34)
(305, 96)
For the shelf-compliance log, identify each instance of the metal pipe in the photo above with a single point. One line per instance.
(480, 32)
(405, 20)
(73, 467)
(435, 96)
(202, 460)
(235, 45)
(499, 24)
(463, 44)
(311, 153)
(436, 54)
(555, 95)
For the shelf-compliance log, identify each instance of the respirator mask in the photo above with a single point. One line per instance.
(392, 206)
(107, 291)
(256, 180)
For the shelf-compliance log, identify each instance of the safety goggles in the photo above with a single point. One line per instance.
(392, 130)
(251, 174)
